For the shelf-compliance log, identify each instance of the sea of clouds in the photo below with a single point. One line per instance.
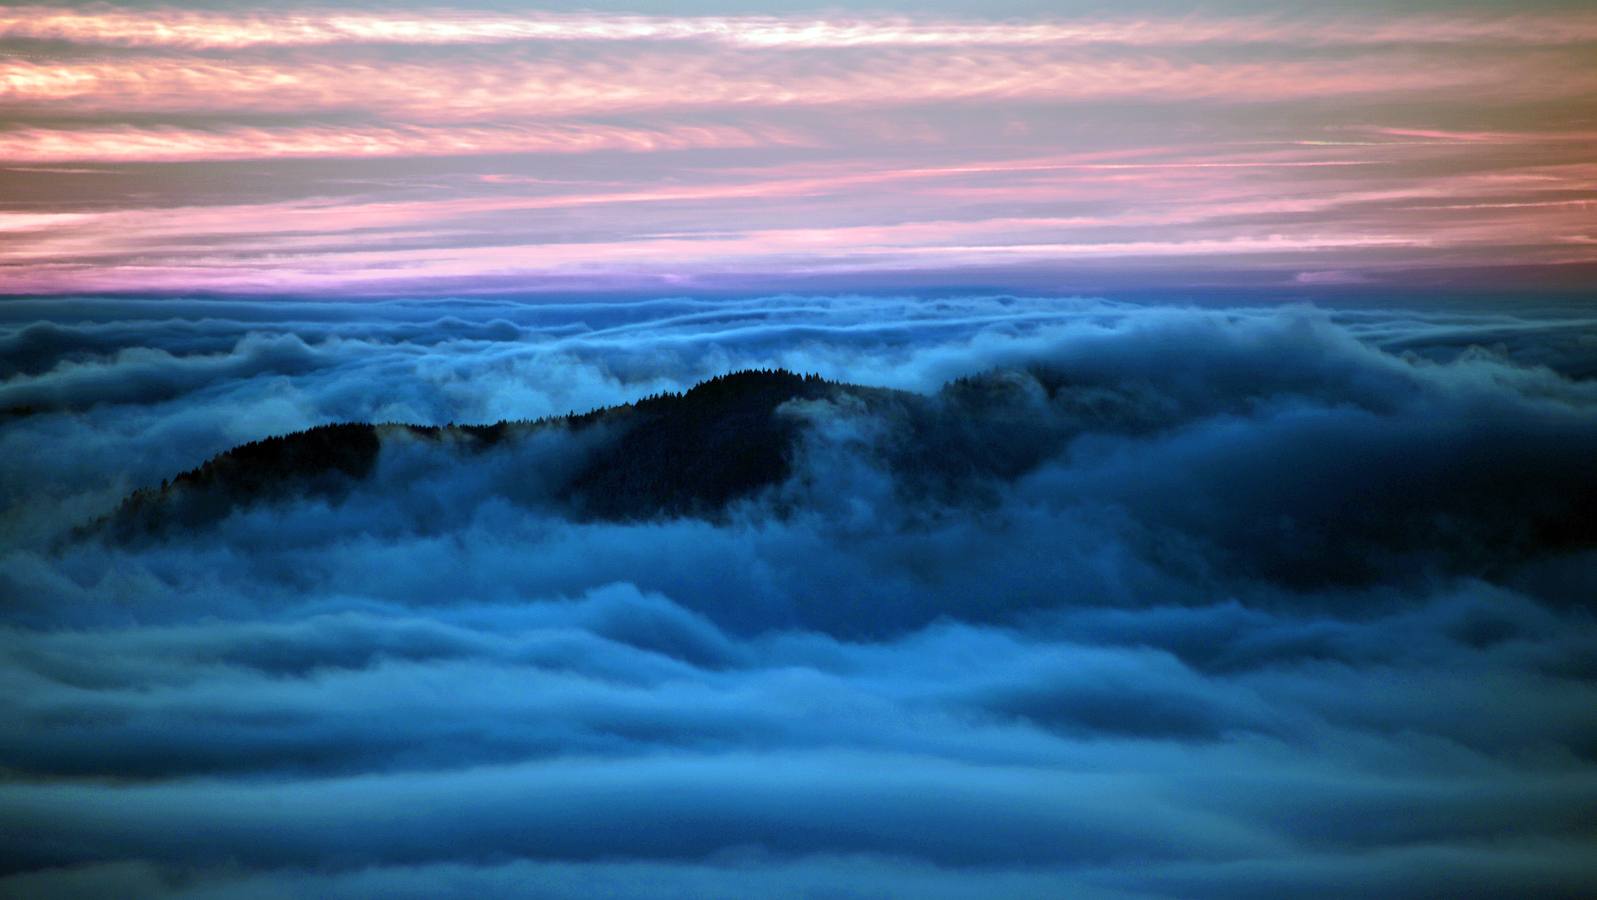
(1298, 603)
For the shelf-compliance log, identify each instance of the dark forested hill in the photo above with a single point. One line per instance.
(687, 454)
(669, 454)
(790, 440)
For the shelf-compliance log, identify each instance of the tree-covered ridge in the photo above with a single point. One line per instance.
(324, 460)
(673, 453)
(693, 453)
(690, 453)
(793, 442)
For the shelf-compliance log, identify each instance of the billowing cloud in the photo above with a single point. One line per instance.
(1287, 600)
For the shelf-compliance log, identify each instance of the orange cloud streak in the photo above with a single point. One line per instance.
(172, 144)
(621, 83)
(216, 30)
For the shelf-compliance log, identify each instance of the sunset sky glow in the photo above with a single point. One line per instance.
(405, 150)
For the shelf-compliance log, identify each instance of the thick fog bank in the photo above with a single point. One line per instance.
(1275, 601)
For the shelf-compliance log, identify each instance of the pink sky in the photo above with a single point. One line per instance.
(319, 149)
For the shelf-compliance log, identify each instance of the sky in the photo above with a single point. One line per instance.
(1286, 311)
(407, 149)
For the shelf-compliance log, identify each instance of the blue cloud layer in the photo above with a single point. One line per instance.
(1264, 621)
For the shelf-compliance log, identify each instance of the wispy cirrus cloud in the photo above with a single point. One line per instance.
(171, 27)
(580, 84)
(169, 144)
(689, 147)
(1226, 202)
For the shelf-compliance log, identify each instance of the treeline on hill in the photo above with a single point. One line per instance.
(325, 460)
(698, 452)
(672, 453)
